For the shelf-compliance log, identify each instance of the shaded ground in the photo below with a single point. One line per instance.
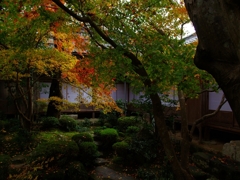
(213, 145)
(105, 169)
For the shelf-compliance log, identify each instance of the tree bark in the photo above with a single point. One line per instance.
(179, 172)
(217, 24)
(186, 139)
(55, 90)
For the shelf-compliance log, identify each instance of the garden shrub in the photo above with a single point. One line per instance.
(108, 125)
(97, 135)
(111, 118)
(61, 151)
(125, 122)
(10, 124)
(4, 165)
(121, 148)
(88, 152)
(82, 137)
(119, 160)
(2, 124)
(5, 124)
(108, 137)
(23, 139)
(81, 129)
(76, 171)
(147, 131)
(132, 130)
(49, 122)
(68, 123)
(143, 150)
(86, 122)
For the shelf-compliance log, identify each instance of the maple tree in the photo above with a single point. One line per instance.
(138, 42)
(27, 55)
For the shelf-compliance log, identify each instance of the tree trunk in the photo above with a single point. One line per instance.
(179, 172)
(55, 90)
(185, 143)
(217, 24)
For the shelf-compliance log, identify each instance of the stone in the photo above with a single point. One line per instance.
(103, 172)
(19, 159)
(232, 150)
(101, 161)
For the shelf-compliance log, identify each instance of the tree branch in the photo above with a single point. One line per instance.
(200, 120)
(135, 61)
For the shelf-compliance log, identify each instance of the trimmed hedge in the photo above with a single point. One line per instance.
(107, 137)
(88, 152)
(121, 148)
(61, 151)
(68, 123)
(49, 122)
(82, 137)
(76, 171)
(125, 122)
(132, 130)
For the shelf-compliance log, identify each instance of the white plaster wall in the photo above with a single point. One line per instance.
(215, 99)
(44, 90)
(69, 92)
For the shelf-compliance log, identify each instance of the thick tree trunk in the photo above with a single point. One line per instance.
(180, 173)
(185, 144)
(217, 24)
(55, 90)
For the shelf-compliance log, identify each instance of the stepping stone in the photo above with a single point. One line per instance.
(101, 161)
(19, 159)
(103, 172)
(18, 162)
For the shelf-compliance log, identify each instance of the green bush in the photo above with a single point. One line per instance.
(68, 123)
(143, 150)
(10, 124)
(4, 164)
(108, 125)
(42, 106)
(5, 124)
(111, 117)
(81, 129)
(23, 139)
(121, 148)
(62, 151)
(125, 122)
(86, 122)
(76, 171)
(49, 122)
(97, 131)
(87, 152)
(108, 137)
(82, 137)
(132, 129)
(119, 160)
